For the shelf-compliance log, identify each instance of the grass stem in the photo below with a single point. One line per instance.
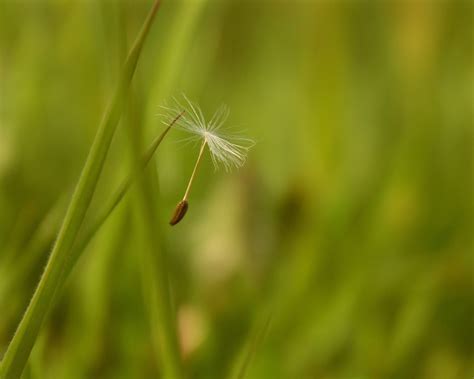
(103, 216)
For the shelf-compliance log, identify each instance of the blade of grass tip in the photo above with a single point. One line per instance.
(20, 346)
(251, 345)
(45, 232)
(86, 237)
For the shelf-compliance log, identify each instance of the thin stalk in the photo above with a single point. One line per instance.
(191, 180)
(156, 285)
(45, 232)
(249, 350)
(182, 206)
(154, 260)
(90, 232)
(52, 279)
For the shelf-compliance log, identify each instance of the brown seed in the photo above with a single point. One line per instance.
(179, 212)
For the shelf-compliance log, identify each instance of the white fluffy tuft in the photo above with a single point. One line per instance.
(228, 150)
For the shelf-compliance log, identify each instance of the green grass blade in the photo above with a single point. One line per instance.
(251, 345)
(155, 281)
(46, 230)
(34, 251)
(154, 260)
(92, 230)
(23, 341)
(173, 56)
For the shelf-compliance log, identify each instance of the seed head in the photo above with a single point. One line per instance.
(226, 148)
(229, 150)
(179, 212)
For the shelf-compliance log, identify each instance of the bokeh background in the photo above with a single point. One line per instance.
(351, 223)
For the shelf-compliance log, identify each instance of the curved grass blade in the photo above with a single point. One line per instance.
(52, 279)
(44, 234)
(91, 231)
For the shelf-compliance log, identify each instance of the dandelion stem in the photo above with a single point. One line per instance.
(201, 152)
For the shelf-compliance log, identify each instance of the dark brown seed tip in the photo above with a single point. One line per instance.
(179, 212)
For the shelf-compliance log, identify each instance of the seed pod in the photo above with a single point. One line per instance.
(179, 212)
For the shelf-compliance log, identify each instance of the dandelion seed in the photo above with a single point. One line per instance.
(179, 212)
(226, 149)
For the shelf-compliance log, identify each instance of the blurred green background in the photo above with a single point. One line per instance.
(351, 224)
